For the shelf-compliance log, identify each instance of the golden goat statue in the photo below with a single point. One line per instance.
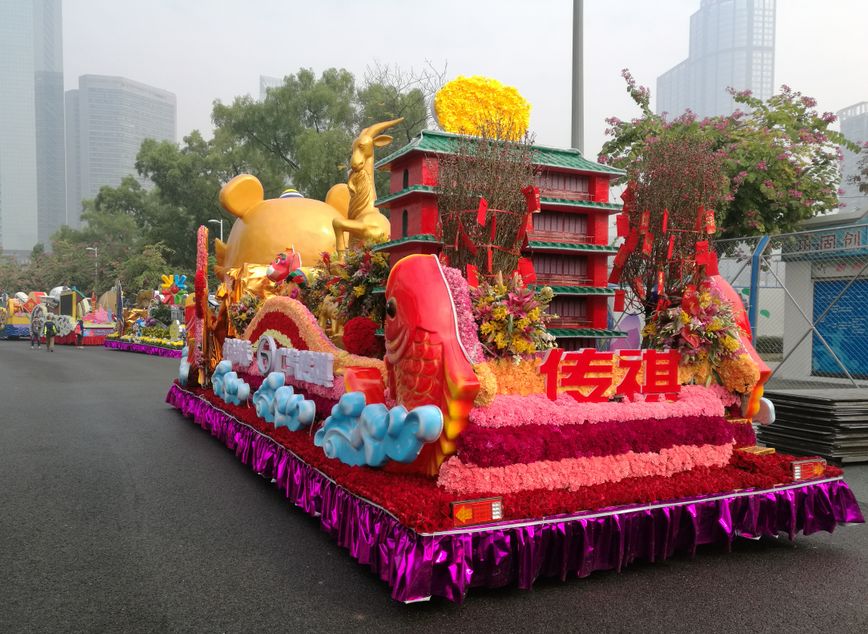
(363, 221)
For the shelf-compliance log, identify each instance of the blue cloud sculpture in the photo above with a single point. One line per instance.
(218, 378)
(292, 410)
(263, 399)
(183, 368)
(359, 434)
(235, 389)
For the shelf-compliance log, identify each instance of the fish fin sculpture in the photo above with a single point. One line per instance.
(752, 405)
(426, 363)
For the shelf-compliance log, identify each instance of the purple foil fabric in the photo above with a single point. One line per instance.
(418, 566)
(142, 348)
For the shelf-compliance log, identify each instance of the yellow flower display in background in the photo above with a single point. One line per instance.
(473, 105)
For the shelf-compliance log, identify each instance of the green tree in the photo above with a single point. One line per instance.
(145, 268)
(188, 179)
(780, 156)
(390, 92)
(11, 275)
(303, 128)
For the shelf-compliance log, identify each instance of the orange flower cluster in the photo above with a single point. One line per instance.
(739, 374)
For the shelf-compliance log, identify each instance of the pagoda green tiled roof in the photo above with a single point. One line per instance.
(577, 290)
(421, 237)
(437, 142)
(558, 202)
(589, 333)
(588, 204)
(536, 245)
(422, 189)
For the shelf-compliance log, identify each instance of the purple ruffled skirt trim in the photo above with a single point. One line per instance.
(142, 348)
(417, 566)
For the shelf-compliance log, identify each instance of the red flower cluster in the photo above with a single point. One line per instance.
(423, 506)
(279, 322)
(499, 447)
(360, 337)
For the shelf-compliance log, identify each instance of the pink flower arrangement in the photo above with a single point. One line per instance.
(572, 474)
(467, 329)
(487, 447)
(511, 411)
(726, 397)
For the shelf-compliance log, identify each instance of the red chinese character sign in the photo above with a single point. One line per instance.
(587, 375)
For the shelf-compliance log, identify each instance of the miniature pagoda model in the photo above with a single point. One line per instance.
(569, 244)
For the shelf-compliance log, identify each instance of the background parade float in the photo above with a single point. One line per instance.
(442, 388)
(23, 313)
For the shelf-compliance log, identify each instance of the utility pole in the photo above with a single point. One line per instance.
(220, 222)
(577, 138)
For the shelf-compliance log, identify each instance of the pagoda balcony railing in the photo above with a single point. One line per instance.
(562, 279)
(540, 235)
(570, 322)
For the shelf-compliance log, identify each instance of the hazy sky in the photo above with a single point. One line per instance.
(216, 49)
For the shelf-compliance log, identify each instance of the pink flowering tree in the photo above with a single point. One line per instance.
(861, 176)
(780, 156)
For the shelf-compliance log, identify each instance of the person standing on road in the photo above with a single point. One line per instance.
(79, 334)
(50, 332)
(35, 335)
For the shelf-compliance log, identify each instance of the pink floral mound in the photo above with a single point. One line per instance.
(467, 330)
(508, 411)
(573, 473)
(527, 443)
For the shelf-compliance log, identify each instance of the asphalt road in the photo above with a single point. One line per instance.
(117, 514)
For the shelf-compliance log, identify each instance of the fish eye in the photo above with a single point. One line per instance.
(392, 307)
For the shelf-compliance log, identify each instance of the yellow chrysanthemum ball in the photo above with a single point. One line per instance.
(473, 105)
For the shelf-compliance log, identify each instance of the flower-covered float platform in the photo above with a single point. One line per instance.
(444, 471)
(145, 345)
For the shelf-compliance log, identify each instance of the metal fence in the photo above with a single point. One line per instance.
(807, 297)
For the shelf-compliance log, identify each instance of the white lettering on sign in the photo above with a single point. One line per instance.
(238, 351)
(303, 365)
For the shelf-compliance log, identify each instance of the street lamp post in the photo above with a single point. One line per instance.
(220, 222)
(95, 266)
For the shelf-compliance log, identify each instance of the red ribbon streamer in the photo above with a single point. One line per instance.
(526, 270)
(480, 212)
(472, 276)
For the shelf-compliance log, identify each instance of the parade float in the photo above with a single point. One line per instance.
(15, 314)
(65, 306)
(154, 326)
(68, 306)
(438, 388)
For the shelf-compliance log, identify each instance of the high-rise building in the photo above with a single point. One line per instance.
(107, 120)
(854, 126)
(732, 45)
(32, 175)
(266, 82)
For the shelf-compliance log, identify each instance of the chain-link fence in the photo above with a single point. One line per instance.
(807, 297)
